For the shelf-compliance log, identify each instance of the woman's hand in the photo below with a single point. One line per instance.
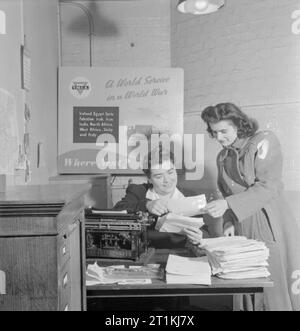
(229, 229)
(157, 207)
(216, 208)
(194, 235)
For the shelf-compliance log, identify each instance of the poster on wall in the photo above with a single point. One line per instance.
(113, 110)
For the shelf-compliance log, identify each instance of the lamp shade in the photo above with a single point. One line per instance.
(2, 22)
(199, 7)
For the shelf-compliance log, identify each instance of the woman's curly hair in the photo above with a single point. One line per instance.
(246, 127)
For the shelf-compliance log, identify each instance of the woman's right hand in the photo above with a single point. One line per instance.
(194, 236)
(157, 207)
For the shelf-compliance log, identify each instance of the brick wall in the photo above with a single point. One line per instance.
(127, 33)
(246, 52)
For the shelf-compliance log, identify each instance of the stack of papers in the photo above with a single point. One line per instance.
(189, 206)
(177, 223)
(119, 274)
(187, 270)
(237, 257)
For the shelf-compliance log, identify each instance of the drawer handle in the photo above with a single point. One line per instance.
(64, 250)
(65, 280)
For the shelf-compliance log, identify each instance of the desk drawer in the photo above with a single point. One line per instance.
(63, 249)
(65, 288)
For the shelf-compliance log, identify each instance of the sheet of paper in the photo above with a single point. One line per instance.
(188, 270)
(188, 266)
(189, 206)
(179, 279)
(257, 273)
(116, 274)
(176, 223)
(135, 282)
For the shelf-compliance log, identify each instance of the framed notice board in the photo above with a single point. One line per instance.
(117, 105)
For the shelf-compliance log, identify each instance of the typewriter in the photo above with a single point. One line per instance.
(116, 235)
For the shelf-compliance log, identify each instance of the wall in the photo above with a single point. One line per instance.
(127, 33)
(38, 21)
(10, 71)
(41, 30)
(245, 53)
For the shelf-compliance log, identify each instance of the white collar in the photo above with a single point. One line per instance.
(152, 195)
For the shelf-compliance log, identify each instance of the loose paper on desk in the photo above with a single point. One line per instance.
(177, 223)
(118, 274)
(189, 206)
(188, 270)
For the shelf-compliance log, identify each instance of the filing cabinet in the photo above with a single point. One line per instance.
(41, 248)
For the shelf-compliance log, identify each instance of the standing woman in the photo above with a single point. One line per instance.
(249, 178)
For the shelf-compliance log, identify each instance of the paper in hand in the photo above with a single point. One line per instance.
(177, 223)
(189, 206)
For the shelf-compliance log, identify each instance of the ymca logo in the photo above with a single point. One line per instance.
(80, 88)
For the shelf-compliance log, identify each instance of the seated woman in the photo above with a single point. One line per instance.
(153, 196)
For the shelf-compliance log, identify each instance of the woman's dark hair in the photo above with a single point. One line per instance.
(246, 127)
(157, 156)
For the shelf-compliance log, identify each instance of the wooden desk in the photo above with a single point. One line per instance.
(160, 288)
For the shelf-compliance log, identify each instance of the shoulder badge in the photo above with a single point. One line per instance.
(263, 148)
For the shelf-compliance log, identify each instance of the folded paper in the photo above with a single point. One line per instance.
(188, 270)
(189, 206)
(177, 223)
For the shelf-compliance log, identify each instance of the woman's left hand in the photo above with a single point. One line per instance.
(216, 208)
(194, 235)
